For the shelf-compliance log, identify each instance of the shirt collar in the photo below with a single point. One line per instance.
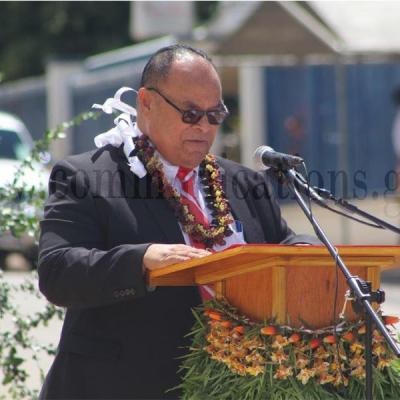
(171, 170)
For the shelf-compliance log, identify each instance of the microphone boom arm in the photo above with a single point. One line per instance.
(319, 195)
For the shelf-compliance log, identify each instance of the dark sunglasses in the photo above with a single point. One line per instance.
(214, 117)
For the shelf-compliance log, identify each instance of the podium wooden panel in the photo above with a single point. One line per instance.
(291, 283)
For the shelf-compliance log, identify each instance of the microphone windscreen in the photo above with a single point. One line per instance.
(258, 157)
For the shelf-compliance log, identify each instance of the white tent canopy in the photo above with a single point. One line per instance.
(363, 26)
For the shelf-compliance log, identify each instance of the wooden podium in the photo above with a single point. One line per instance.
(291, 283)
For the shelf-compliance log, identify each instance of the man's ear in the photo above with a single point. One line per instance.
(144, 99)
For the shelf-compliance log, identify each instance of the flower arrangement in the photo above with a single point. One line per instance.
(210, 176)
(232, 357)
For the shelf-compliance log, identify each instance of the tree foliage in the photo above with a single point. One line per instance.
(34, 31)
(19, 337)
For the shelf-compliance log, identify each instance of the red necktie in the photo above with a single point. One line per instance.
(188, 198)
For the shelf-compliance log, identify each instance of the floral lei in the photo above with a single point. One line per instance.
(218, 229)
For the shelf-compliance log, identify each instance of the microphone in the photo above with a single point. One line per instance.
(266, 157)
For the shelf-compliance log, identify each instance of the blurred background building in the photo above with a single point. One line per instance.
(313, 78)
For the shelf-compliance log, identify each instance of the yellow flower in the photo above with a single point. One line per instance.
(383, 363)
(321, 367)
(255, 370)
(283, 372)
(301, 362)
(326, 378)
(342, 354)
(339, 380)
(209, 167)
(378, 349)
(220, 230)
(280, 342)
(358, 372)
(357, 361)
(239, 369)
(279, 357)
(305, 374)
(218, 356)
(253, 343)
(357, 348)
(321, 353)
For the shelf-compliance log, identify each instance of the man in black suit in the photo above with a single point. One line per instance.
(105, 225)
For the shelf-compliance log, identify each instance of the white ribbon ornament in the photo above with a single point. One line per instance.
(124, 131)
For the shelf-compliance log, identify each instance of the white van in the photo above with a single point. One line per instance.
(15, 145)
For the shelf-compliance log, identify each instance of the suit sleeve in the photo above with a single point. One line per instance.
(75, 269)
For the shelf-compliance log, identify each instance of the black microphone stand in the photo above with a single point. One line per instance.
(360, 290)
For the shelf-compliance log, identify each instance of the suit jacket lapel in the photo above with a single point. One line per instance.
(164, 217)
(158, 208)
(241, 210)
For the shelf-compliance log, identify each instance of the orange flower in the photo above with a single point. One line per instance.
(362, 329)
(301, 362)
(226, 324)
(348, 336)
(390, 319)
(376, 336)
(326, 378)
(269, 330)
(239, 329)
(283, 372)
(215, 315)
(314, 343)
(294, 338)
(330, 339)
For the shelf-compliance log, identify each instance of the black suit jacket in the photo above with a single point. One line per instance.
(120, 340)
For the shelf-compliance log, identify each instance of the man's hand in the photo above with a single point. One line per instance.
(161, 255)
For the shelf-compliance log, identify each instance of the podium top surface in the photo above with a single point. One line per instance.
(241, 259)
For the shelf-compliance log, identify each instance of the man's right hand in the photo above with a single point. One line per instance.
(161, 255)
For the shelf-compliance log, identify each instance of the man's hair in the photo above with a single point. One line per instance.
(160, 62)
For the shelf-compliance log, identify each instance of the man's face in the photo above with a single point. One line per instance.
(192, 83)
